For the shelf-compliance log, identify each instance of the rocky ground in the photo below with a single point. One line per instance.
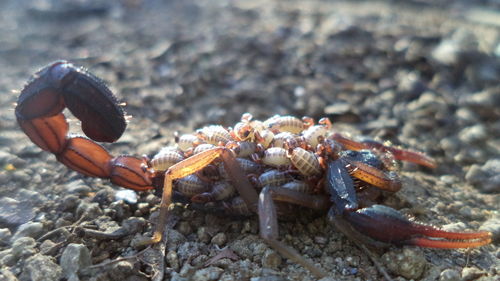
(421, 74)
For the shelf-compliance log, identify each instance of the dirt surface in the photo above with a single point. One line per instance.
(420, 75)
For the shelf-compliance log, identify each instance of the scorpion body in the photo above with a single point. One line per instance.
(249, 170)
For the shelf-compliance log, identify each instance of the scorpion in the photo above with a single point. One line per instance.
(256, 167)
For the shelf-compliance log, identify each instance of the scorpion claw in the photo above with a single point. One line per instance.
(60, 85)
(403, 154)
(398, 154)
(387, 225)
(378, 224)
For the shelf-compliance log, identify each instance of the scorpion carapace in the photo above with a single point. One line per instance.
(260, 167)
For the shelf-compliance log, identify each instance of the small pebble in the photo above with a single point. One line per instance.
(450, 145)
(78, 187)
(337, 108)
(41, 268)
(241, 247)
(271, 259)
(5, 236)
(7, 275)
(449, 275)
(186, 270)
(123, 270)
(466, 116)
(62, 222)
(31, 196)
(190, 250)
(219, 239)
(492, 225)
(492, 169)
(259, 250)
(184, 227)
(446, 52)
(126, 195)
(471, 273)
(427, 103)
(7, 259)
(353, 261)
(103, 197)
(455, 226)
(492, 184)
(246, 228)
(118, 210)
(14, 212)
(152, 200)
(471, 154)
(70, 202)
(29, 229)
(407, 262)
(208, 274)
(74, 258)
(8, 158)
(483, 102)
(47, 246)
(473, 134)
(486, 178)
(199, 260)
(174, 239)
(449, 179)
(177, 277)
(21, 176)
(475, 175)
(142, 208)
(172, 260)
(133, 225)
(451, 50)
(89, 210)
(203, 234)
(468, 212)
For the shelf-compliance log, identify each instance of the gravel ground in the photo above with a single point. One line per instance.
(421, 75)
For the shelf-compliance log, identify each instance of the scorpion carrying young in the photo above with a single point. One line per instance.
(245, 169)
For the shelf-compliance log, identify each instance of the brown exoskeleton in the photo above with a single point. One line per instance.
(343, 163)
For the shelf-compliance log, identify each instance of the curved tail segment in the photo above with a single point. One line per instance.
(39, 114)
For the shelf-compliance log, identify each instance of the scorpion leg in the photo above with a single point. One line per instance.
(266, 207)
(194, 164)
(398, 154)
(316, 202)
(384, 180)
(268, 220)
(379, 224)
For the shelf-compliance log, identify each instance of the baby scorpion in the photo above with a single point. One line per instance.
(342, 165)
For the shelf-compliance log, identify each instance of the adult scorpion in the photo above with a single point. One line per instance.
(261, 167)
